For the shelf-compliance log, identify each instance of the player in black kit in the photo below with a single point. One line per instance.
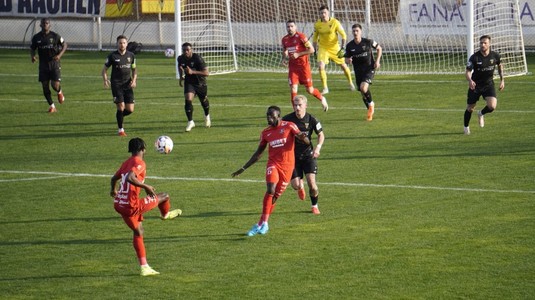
(359, 53)
(305, 155)
(50, 47)
(480, 73)
(123, 80)
(193, 71)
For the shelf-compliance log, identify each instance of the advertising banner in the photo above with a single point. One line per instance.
(427, 17)
(160, 6)
(66, 8)
(118, 8)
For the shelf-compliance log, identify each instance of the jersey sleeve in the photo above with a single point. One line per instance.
(138, 168)
(374, 44)
(201, 62)
(315, 34)
(470, 63)
(341, 30)
(295, 130)
(179, 64)
(108, 61)
(347, 53)
(304, 40)
(262, 141)
(33, 46)
(316, 126)
(118, 172)
(61, 41)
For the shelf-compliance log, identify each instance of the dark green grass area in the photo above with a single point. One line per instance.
(411, 208)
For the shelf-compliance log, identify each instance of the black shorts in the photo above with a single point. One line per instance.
(201, 90)
(364, 76)
(122, 92)
(305, 166)
(486, 90)
(50, 71)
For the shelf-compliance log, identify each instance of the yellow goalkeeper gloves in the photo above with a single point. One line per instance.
(341, 53)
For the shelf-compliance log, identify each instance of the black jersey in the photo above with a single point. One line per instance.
(483, 67)
(196, 62)
(361, 53)
(308, 124)
(47, 46)
(121, 66)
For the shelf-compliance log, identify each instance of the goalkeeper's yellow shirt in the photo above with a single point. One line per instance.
(326, 33)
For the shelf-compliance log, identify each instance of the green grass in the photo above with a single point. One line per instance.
(411, 208)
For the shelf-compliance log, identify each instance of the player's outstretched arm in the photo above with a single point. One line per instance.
(254, 158)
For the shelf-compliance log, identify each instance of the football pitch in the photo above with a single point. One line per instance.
(410, 207)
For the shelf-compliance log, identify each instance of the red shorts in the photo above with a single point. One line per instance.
(301, 75)
(279, 176)
(133, 216)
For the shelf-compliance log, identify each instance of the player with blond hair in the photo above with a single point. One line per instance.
(306, 154)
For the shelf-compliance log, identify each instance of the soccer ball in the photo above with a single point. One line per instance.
(164, 144)
(169, 52)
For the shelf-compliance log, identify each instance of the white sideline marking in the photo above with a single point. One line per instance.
(457, 110)
(30, 179)
(347, 184)
(241, 79)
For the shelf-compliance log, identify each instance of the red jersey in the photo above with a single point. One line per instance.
(281, 140)
(296, 43)
(128, 194)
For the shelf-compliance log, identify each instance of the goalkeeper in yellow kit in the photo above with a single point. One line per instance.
(325, 39)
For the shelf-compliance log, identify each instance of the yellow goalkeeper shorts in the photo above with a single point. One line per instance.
(324, 55)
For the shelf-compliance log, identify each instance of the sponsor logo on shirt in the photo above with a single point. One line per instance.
(277, 143)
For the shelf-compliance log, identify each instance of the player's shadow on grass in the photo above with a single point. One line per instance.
(61, 130)
(89, 241)
(80, 134)
(60, 125)
(399, 136)
(211, 214)
(222, 142)
(214, 236)
(216, 214)
(92, 219)
(64, 276)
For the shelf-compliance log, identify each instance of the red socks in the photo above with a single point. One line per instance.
(317, 94)
(267, 208)
(164, 207)
(139, 246)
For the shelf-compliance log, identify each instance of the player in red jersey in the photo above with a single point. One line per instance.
(296, 49)
(128, 204)
(280, 136)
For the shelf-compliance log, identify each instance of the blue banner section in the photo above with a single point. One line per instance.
(52, 8)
